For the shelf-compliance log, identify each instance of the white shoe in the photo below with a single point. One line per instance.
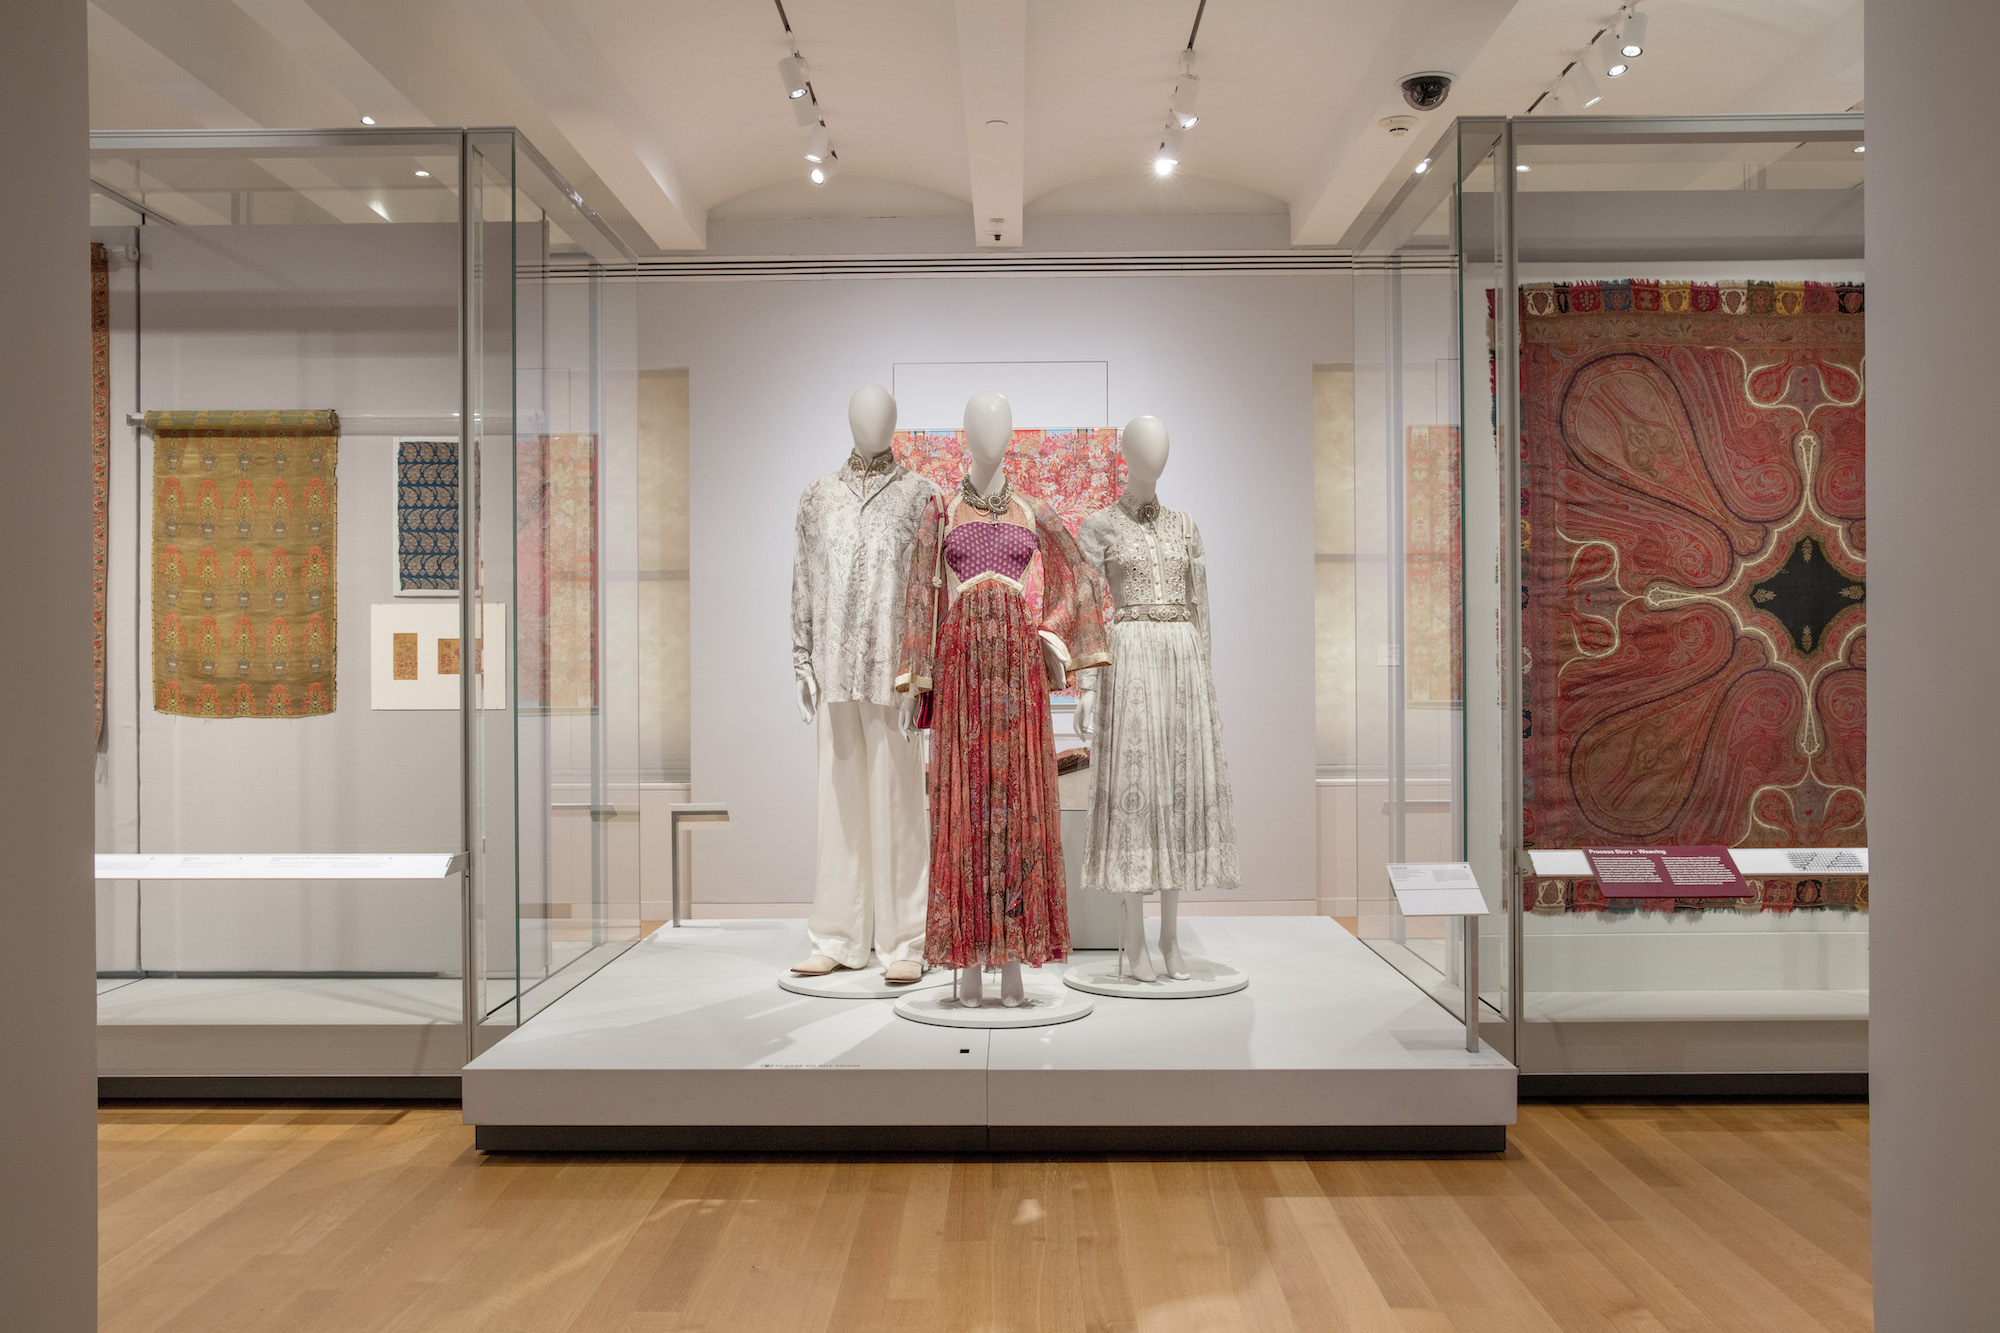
(816, 966)
(903, 973)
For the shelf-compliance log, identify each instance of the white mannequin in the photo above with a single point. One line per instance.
(989, 430)
(1144, 443)
(871, 420)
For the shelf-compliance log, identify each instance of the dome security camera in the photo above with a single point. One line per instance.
(1426, 92)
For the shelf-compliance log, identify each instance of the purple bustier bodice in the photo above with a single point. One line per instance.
(983, 548)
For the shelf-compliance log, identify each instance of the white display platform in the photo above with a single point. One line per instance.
(859, 983)
(1041, 1005)
(1205, 979)
(683, 1043)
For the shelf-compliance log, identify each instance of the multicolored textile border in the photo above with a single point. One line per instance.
(1647, 296)
(100, 462)
(1554, 897)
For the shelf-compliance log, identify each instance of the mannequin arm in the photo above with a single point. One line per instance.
(808, 695)
(906, 715)
(1086, 707)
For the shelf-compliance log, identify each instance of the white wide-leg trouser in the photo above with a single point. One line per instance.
(874, 844)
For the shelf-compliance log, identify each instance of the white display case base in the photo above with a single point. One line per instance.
(1205, 977)
(1040, 1006)
(860, 983)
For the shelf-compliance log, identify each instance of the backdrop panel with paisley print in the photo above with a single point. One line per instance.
(1695, 613)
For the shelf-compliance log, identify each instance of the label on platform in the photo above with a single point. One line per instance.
(1436, 888)
(1666, 872)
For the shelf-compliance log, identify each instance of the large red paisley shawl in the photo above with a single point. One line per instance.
(1696, 560)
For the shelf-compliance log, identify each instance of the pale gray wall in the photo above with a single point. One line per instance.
(48, 1048)
(1225, 361)
(1934, 736)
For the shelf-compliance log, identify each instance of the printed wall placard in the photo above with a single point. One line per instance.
(245, 559)
(426, 518)
(414, 656)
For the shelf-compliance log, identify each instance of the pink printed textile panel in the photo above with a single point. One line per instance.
(1696, 544)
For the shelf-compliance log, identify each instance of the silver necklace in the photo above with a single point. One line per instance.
(992, 505)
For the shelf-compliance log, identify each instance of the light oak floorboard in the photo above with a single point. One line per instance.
(1639, 1218)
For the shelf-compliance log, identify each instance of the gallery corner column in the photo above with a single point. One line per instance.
(1934, 732)
(48, 1008)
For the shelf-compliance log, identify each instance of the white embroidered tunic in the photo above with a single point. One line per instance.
(851, 554)
(1161, 813)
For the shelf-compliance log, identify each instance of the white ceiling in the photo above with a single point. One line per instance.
(666, 113)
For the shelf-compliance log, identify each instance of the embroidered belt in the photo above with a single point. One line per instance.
(1167, 611)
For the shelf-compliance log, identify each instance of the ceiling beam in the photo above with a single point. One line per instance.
(993, 71)
(1358, 153)
(556, 60)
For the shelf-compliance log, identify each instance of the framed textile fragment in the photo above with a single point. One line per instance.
(245, 562)
(415, 657)
(1434, 563)
(100, 462)
(1075, 472)
(555, 571)
(1695, 614)
(426, 518)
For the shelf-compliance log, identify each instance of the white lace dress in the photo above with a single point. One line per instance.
(1161, 816)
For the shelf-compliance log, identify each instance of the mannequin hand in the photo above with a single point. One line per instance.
(1086, 713)
(906, 715)
(1053, 664)
(808, 698)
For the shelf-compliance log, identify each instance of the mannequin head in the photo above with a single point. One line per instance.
(989, 429)
(871, 416)
(1145, 446)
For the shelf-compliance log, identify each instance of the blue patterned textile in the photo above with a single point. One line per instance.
(427, 516)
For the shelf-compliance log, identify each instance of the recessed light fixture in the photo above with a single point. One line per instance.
(1861, 148)
(1423, 166)
(1632, 35)
(368, 120)
(424, 174)
(1522, 166)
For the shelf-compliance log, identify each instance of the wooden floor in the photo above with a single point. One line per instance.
(338, 1219)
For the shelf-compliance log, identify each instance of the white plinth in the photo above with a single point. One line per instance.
(859, 983)
(1205, 977)
(1041, 1004)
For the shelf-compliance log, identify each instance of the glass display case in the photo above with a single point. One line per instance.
(368, 758)
(1609, 578)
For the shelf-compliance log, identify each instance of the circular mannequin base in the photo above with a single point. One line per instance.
(1205, 978)
(859, 983)
(1039, 1007)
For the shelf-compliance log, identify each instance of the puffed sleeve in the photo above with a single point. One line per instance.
(802, 589)
(1198, 581)
(1072, 596)
(921, 593)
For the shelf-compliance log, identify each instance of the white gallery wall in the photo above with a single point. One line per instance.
(1226, 361)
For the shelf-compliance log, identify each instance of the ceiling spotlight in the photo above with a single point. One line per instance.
(1583, 87)
(819, 145)
(1184, 95)
(1522, 166)
(368, 120)
(1168, 155)
(1861, 148)
(424, 174)
(823, 172)
(1614, 65)
(1423, 166)
(1632, 35)
(792, 69)
(806, 111)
